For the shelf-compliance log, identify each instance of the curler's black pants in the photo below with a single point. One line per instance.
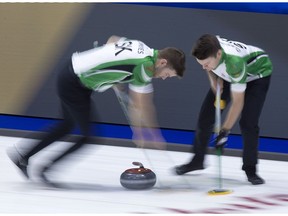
(75, 105)
(255, 95)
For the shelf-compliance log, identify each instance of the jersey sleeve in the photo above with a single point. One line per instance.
(142, 78)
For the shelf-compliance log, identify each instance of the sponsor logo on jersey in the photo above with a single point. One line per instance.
(141, 48)
(239, 75)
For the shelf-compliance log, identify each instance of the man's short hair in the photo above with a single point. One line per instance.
(175, 59)
(206, 46)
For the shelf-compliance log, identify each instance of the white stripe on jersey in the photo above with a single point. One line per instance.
(238, 87)
(145, 77)
(258, 57)
(106, 71)
(142, 89)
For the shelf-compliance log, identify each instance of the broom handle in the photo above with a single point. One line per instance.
(218, 127)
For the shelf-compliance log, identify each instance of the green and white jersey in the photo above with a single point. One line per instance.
(125, 61)
(241, 63)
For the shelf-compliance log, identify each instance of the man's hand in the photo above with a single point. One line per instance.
(221, 139)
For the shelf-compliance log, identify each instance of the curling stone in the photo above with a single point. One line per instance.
(138, 178)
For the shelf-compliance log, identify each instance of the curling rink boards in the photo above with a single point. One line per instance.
(93, 184)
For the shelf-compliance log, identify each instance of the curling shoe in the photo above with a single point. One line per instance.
(43, 178)
(254, 179)
(185, 168)
(42, 175)
(19, 161)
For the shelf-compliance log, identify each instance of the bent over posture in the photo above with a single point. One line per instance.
(244, 72)
(119, 61)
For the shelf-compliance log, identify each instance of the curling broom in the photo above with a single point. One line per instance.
(217, 127)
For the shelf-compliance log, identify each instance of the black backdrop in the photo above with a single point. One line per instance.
(178, 101)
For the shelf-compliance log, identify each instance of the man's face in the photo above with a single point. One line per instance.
(162, 71)
(210, 63)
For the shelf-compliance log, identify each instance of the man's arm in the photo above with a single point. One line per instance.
(232, 116)
(235, 109)
(213, 80)
(143, 117)
(142, 110)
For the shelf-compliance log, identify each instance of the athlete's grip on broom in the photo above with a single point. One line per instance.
(221, 139)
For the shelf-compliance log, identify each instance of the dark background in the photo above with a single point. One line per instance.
(177, 101)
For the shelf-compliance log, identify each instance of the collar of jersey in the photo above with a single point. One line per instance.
(155, 56)
(222, 57)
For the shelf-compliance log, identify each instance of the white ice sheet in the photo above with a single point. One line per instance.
(92, 176)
